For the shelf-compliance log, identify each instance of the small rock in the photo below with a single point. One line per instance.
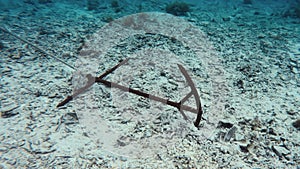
(244, 148)
(291, 112)
(283, 77)
(6, 70)
(239, 137)
(296, 124)
(192, 20)
(205, 24)
(3, 149)
(224, 124)
(9, 112)
(281, 116)
(123, 159)
(280, 151)
(70, 118)
(52, 95)
(224, 149)
(226, 19)
(261, 35)
(230, 134)
(244, 143)
(16, 56)
(1, 45)
(295, 70)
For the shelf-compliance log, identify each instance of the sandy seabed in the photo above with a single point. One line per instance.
(257, 48)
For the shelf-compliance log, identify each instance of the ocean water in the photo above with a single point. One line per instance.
(150, 84)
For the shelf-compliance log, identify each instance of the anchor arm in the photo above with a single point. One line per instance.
(91, 81)
(193, 92)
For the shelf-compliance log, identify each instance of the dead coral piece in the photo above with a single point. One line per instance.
(92, 4)
(178, 8)
(45, 1)
(247, 1)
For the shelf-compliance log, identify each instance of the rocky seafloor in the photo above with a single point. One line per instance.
(257, 47)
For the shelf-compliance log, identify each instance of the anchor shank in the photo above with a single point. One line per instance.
(146, 95)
